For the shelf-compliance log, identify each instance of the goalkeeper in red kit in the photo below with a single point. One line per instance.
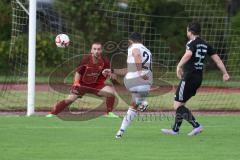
(90, 78)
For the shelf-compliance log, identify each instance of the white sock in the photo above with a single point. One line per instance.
(131, 114)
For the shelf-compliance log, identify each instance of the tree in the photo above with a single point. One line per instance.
(5, 28)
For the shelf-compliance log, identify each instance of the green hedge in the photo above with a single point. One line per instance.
(234, 52)
(91, 24)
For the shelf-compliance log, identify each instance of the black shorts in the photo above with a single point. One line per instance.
(188, 88)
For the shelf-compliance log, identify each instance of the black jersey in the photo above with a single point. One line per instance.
(199, 50)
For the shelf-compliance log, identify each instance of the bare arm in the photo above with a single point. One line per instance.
(138, 59)
(76, 79)
(123, 71)
(138, 62)
(114, 72)
(120, 72)
(221, 66)
(186, 57)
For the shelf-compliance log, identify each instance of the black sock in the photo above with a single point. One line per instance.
(187, 115)
(178, 120)
(184, 113)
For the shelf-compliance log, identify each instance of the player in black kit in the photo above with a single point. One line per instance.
(189, 70)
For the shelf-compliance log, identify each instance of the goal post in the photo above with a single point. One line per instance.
(33, 51)
(31, 57)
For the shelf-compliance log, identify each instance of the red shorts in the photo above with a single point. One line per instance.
(81, 90)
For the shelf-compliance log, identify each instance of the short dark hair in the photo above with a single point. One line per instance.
(135, 37)
(195, 28)
(96, 42)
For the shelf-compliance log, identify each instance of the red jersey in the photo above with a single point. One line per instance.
(91, 74)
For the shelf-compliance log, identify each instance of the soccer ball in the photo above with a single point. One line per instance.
(62, 40)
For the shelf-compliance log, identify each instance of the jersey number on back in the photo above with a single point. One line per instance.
(200, 54)
(144, 64)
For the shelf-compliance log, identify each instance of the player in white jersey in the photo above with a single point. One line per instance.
(139, 69)
(138, 78)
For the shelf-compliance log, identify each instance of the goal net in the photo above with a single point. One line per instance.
(163, 26)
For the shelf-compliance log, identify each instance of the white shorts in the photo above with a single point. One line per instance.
(139, 93)
(137, 84)
(138, 87)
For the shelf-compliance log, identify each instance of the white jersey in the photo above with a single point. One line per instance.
(133, 78)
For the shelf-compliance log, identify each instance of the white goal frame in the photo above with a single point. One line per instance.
(31, 57)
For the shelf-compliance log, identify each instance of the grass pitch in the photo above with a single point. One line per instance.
(35, 138)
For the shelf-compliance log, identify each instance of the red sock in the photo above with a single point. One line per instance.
(110, 103)
(59, 107)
